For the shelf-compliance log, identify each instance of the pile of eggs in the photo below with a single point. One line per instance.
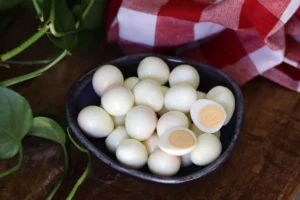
(147, 122)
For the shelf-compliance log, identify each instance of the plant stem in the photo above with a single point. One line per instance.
(81, 179)
(82, 149)
(52, 24)
(86, 171)
(34, 74)
(62, 177)
(24, 45)
(85, 13)
(18, 166)
(38, 9)
(31, 62)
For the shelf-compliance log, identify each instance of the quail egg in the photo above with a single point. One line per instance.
(106, 76)
(162, 111)
(184, 74)
(148, 92)
(154, 68)
(207, 150)
(131, 82)
(208, 115)
(151, 143)
(162, 164)
(180, 97)
(177, 141)
(95, 122)
(201, 95)
(186, 160)
(171, 119)
(114, 139)
(199, 132)
(140, 122)
(224, 97)
(117, 100)
(132, 153)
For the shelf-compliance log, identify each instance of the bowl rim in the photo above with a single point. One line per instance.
(135, 172)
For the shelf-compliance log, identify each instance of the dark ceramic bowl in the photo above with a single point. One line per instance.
(82, 95)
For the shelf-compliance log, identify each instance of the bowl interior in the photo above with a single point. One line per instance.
(82, 95)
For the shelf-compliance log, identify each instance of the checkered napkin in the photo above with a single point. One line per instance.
(244, 38)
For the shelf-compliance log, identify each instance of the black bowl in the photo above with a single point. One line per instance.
(82, 95)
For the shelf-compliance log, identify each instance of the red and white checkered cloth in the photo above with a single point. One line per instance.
(244, 38)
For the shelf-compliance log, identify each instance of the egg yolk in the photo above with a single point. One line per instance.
(181, 139)
(211, 116)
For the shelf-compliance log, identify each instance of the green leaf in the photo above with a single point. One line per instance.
(6, 4)
(94, 17)
(46, 7)
(49, 129)
(77, 12)
(62, 22)
(68, 42)
(35, 73)
(15, 121)
(28, 4)
(88, 38)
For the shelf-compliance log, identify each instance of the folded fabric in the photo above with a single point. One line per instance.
(244, 38)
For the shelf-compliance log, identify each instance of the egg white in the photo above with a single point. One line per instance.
(105, 77)
(196, 108)
(171, 119)
(225, 97)
(162, 164)
(184, 74)
(207, 150)
(148, 92)
(154, 68)
(180, 97)
(165, 145)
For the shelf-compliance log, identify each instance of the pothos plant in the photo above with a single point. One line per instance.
(17, 121)
(67, 25)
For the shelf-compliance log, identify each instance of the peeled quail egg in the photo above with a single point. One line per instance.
(140, 122)
(199, 132)
(208, 150)
(217, 134)
(106, 76)
(165, 89)
(162, 111)
(186, 160)
(114, 139)
(154, 68)
(201, 95)
(208, 115)
(131, 82)
(95, 122)
(177, 141)
(148, 92)
(119, 120)
(117, 100)
(184, 74)
(132, 153)
(180, 97)
(223, 96)
(171, 119)
(151, 143)
(163, 164)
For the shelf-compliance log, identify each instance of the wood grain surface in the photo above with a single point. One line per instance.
(264, 165)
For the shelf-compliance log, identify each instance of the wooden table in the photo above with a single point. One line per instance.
(264, 165)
